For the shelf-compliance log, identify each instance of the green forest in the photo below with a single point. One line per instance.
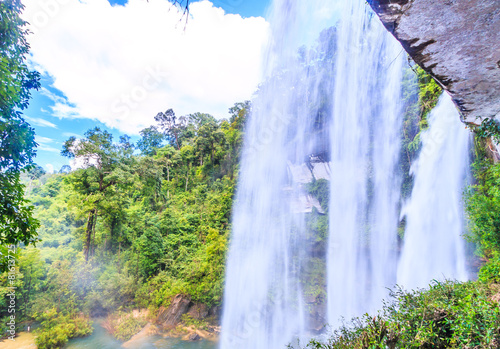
(133, 230)
(138, 223)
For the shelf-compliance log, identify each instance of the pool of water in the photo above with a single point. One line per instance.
(103, 340)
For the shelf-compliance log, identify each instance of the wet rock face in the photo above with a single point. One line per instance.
(457, 42)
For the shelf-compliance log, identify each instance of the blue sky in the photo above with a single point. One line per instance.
(117, 66)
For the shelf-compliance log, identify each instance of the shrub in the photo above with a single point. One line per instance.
(447, 315)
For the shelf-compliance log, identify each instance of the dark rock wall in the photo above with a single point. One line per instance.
(457, 42)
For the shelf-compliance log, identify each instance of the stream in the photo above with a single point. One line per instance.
(103, 340)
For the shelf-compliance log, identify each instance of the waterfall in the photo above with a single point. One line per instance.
(264, 301)
(365, 145)
(433, 247)
(329, 111)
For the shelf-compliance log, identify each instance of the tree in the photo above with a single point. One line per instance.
(65, 169)
(17, 137)
(171, 126)
(151, 140)
(209, 136)
(35, 172)
(188, 157)
(103, 161)
(239, 113)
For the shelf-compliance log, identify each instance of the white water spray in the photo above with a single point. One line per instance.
(434, 247)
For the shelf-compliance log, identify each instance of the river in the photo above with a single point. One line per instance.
(103, 340)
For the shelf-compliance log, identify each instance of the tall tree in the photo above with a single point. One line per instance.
(17, 137)
(172, 126)
(103, 169)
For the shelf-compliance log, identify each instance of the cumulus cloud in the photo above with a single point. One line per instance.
(123, 64)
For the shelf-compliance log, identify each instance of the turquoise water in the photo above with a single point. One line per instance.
(100, 339)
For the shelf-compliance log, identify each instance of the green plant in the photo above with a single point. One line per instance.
(447, 315)
(489, 128)
(57, 329)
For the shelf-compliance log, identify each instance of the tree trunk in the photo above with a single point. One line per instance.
(92, 245)
(88, 233)
(168, 180)
(176, 141)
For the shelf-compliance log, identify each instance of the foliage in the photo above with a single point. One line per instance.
(16, 217)
(188, 320)
(320, 189)
(490, 271)
(483, 205)
(420, 96)
(17, 137)
(447, 315)
(128, 231)
(489, 128)
(151, 140)
(55, 330)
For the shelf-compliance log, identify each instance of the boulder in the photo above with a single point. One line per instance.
(198, 311)
(170, 317)
(194, 337)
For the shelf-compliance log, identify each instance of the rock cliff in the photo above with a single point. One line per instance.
(457, 42)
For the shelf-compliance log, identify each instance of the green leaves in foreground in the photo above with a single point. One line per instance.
(16, 218)
(447, 315)
(17, 137)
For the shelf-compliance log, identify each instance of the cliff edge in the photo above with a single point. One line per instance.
(457, 42)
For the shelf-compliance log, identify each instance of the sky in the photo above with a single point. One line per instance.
(115, 64)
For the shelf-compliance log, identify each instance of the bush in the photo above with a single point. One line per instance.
(56, 329)
(490, 272)
(447, 315)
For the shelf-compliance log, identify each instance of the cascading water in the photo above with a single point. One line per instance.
(434, 248)
(285, 137)
(329, 114)
(365, 145)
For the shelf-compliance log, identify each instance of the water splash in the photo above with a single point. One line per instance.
(434, 247)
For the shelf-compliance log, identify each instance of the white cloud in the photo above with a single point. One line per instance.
(123, 64)
(43, 140)
(40, 122)
(61, 107)
(43, 144)
(55, 98)
(48, 148)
